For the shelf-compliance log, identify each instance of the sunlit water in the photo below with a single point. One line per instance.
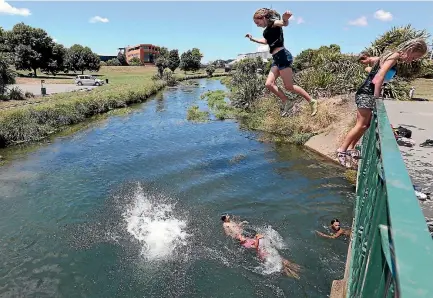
(131, 206)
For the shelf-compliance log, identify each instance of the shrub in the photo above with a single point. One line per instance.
(210, 69)
(168, 77)
(29, 95)
(16, 93)
(246, 85)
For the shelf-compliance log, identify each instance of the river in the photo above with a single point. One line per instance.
(130, 206)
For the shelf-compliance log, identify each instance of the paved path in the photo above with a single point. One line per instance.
(51, 88)
(418, 117)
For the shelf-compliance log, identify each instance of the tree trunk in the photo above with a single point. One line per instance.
(82, 71)
(34, 70)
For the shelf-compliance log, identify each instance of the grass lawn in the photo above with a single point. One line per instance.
(423, 88)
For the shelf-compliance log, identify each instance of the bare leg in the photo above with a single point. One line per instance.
(362, 123)
(291, 269)
(270, 84)
(287, 77)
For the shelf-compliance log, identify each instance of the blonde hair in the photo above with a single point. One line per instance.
(415, 45)
(268, 14)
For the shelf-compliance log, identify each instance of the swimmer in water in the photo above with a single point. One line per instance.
(289, 268)
(335, 226)
(232, 228)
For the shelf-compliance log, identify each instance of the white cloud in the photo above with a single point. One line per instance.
(6, 8)
(361, 21)
(382, 15)
(97, 19)
(263, 48)
(298, 20)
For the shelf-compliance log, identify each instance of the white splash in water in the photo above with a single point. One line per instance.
(155, 227)
(270, 243)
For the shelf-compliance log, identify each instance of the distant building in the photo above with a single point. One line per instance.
(105, 58)
(147, 53)
(264, 55)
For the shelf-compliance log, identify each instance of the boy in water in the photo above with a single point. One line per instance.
(232, 228)
(335, 226)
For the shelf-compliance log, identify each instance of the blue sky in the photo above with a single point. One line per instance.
(216, 28)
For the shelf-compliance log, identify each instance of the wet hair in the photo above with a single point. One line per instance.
(415, 45)
(334, 220)
(269, 14)
(223, 218)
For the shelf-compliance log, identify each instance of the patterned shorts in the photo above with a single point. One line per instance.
(365, 101)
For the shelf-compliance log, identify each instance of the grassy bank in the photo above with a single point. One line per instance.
(127, 85)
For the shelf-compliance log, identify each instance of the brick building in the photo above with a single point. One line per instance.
(147, 53)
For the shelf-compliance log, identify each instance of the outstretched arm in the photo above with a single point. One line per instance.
(284, 21)
(261, 41)
(336, 235)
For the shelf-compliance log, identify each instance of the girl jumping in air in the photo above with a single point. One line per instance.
(366, 95)
(282, 58)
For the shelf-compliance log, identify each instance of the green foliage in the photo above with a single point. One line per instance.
(194, 114)
(246, 85)
(56, 62)
(210, 69)
(16, 93)
(161, 63)
(173, 60)
(32, 48)
(79, 58)
(122, 58)
(168, 77)
(190, 60)
(135, 61)
(7, 76)
(113, 62)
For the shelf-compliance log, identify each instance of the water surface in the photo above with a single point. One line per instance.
(131, 206)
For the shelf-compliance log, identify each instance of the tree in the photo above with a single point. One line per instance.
(135, 61)
(190, 60)
(32, 47)
(81, 58)
(7, 76)
(163, 52)
(56, 63)
(122, 59)
(162, 60)
(113, 62)
(173, 60)
(210, 69)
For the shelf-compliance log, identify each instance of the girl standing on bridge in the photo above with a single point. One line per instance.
(282, 58)
(366, 95)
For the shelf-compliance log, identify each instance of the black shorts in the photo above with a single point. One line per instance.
(365, 101)
(282, 59)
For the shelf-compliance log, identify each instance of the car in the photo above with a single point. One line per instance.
(81, 80)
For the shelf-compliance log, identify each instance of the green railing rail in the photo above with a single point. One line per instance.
(391, 252)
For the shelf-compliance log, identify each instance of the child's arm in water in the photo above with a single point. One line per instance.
(380, 76)
(336, 235)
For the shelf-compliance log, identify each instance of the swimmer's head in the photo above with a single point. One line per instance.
(225, 218)
(335, 224)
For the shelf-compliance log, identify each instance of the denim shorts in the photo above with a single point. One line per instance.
(282, 59)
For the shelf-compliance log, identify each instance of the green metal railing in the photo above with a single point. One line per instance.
(391, 252)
